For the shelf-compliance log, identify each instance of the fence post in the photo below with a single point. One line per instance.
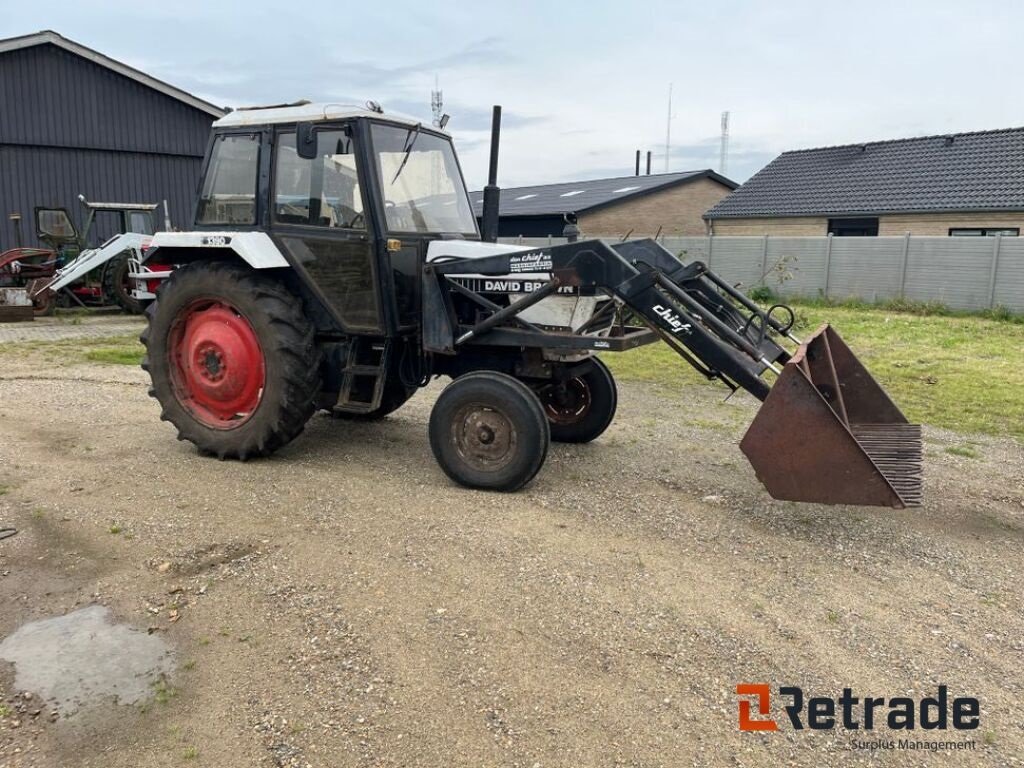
(994, 272)
(903, 265)
(764, 260)
(828, 261)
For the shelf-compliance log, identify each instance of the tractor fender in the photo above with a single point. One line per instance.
(254, 248)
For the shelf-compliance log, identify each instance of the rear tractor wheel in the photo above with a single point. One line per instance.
(487, 430)
(581, 408)
(232, 359)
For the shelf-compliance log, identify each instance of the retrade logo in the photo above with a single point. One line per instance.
(763, 696)
(849, 712)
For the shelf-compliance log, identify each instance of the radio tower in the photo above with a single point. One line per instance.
(437, 103)
(723, 160)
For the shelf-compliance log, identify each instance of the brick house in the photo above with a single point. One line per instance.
(670, 202)
(959, 184)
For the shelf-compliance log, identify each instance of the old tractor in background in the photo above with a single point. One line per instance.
(103, 284)
(335, 263)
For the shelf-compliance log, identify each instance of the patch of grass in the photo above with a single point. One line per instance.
(163, 692)
(121, 355)
(5, 711)
(190, 753)
(832, 617)
(189, 665)
(115, 529)
(948, 370)
(4, 490)
(962, 450)
(111, 350)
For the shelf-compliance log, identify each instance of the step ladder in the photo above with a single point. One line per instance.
(364, 375)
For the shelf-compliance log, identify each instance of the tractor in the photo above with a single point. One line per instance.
(86, 282)
(335, 263)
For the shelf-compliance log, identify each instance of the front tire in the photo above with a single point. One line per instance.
(117, 286)
(581, 408)
(232, 358)
(487, 430)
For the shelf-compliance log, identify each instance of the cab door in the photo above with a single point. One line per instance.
(319, 219)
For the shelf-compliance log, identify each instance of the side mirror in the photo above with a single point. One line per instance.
(305, 141)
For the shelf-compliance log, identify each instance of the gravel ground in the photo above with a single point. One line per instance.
(70, 327)
(343, 604)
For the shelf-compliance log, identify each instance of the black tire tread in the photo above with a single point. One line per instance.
(293, 341)
(512, 388)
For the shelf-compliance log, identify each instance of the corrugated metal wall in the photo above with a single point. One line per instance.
(961, 272)
(69, 127)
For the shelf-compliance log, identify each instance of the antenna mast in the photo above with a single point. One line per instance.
(437, 103)
(723, 160)
(668, 128)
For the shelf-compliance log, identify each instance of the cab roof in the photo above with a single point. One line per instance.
(310, 113)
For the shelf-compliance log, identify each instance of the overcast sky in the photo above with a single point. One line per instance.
(585, 84)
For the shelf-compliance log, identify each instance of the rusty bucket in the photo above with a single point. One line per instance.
(828, 433)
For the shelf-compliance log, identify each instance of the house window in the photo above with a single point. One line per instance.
(983, 231)
(853, 227)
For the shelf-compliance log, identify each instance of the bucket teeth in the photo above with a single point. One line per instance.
(896, 450)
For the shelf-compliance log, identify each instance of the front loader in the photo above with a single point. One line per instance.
(336, 264)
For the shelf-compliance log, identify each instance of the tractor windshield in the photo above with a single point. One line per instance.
(421, 182)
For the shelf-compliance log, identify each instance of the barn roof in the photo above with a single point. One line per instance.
(52, 38)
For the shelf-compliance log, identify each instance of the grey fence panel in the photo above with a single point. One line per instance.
(868, 268)
(795, 266)
(950, 270)
(1008, 290)
(961, 272)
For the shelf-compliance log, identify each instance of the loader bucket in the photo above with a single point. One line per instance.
(828, 433)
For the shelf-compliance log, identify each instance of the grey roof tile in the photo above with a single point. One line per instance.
(578, 196)
(965, 171)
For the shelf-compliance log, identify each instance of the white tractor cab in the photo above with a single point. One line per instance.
(335, 263)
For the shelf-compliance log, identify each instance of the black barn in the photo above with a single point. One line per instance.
(73, 121)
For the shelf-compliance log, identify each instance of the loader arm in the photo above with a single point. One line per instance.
(827, 432)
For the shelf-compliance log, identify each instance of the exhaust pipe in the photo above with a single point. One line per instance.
(492, 194)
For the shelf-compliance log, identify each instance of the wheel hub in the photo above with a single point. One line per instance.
(484, 437)
(566, 403)
(217, 364)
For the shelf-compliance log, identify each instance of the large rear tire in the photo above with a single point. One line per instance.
(581, 408)
(487, 430)
(117, 287)
(232, 358)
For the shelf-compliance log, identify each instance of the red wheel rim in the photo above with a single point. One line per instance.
(216, 363)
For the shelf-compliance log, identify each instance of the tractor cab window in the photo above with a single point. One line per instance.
(322, 192)
(229, 189)
(421, 182)
(140, 222)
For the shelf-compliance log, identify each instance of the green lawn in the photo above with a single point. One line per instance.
(963, 373)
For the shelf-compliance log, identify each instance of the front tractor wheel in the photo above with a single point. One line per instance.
(487, 430)
(232, 359)
(580, 409)
(117, 286)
